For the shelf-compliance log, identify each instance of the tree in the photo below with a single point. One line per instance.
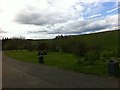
(42, 46)
(80, 48)
(28, 46)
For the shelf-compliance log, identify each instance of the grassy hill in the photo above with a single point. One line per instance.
(107, 39)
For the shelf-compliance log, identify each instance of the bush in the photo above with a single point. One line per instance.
(43, 46)
(67, 46)
(106, 54)
(91, 57)
(81, 60)
(80, 49)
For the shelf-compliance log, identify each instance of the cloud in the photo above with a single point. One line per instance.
(92, 8)
(42, 31)
(0, 8)
(93, 16)
(39, 19)
(112, 10)
(1, 11)
(1, 31)
(54, 12)
(80, 27)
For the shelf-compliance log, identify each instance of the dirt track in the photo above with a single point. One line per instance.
(17, 74)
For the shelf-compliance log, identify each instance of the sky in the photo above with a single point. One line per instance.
(45, 19)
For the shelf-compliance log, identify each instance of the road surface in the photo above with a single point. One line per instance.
(18, 74)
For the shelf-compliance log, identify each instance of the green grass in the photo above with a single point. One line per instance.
(61, 60)
(22, 55)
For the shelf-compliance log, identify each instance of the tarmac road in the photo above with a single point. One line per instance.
(18, 74)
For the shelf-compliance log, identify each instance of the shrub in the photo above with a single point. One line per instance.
(91, 57)
(42, 46)
(80, 60)
(106, 54)
(80, 49)
(67, 46)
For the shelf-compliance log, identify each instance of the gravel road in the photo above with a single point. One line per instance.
(18, 74)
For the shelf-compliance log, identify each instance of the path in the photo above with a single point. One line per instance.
(18, 74)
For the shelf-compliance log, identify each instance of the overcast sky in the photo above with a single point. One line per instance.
(44, 19)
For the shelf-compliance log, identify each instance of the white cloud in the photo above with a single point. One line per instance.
(1, 33)
(55, 12)
(79, 27)
(112, 10)
(112, 19)
(93, 16)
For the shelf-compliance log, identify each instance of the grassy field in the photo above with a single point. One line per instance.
(61, 60)
(107, 40)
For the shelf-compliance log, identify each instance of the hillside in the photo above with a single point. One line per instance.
(107, 39)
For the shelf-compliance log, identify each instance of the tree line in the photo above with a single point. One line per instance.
(57, 44)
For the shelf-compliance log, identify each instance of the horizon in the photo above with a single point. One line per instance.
(19, 37)
(46, 19)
